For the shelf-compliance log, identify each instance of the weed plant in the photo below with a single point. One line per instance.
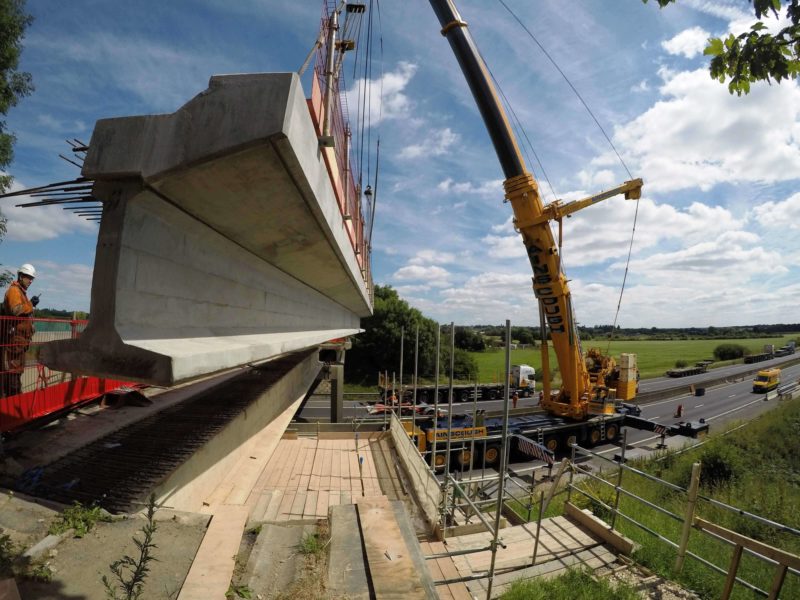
(80, 518)
(129, 572)
(311, 544)
(575, 584)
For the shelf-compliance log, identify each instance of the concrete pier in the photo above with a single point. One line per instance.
(222, 241)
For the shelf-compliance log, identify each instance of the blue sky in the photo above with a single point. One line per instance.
(718, 221)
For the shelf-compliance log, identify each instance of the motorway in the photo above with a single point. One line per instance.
(719, 406)
(657, 384)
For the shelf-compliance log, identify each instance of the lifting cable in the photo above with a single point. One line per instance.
(378, 142)
(362, 73)
(610, 143)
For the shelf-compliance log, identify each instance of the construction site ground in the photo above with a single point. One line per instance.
(353, 480)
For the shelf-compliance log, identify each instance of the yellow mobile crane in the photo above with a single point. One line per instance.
(585, 390)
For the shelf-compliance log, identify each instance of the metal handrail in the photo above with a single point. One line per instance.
(571, 486)
(632, 495)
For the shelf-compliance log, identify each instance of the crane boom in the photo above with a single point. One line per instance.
(581, 390)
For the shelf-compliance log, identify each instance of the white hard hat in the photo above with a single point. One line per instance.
(27, 269)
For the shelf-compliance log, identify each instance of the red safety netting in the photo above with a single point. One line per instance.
(28, 389)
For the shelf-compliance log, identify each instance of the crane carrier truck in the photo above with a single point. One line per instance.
(584, 409)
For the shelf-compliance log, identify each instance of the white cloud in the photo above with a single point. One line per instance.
(490, 189)
(504, 246)
(721, 10)
(779, 215)
(428, 257)
(699, 135)
(41, 223)
(436, 143)
(640, 87)
(63, 285)
(386, 96)
(433, 275)
(729, 261)
(689, 42)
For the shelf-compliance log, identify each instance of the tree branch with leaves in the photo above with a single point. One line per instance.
(756, 54)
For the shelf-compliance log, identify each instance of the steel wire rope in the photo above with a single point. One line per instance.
(363, 91)
(380, 118)
(368, 87)
(610, 143)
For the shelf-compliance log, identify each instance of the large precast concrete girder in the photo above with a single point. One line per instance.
(221, 242)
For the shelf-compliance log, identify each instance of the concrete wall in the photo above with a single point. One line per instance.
(426, 487)
(199, 484)
(221, 241)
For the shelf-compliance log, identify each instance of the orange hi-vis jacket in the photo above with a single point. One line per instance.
(16, 303)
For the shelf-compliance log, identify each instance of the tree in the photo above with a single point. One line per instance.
(378, 347)
(468, 339)
(13, 86)
(756, 55)
(729, 351)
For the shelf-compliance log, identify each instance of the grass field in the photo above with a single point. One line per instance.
(756, 469)
(653, 357)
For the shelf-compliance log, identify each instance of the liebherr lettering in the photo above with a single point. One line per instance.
(542, 278)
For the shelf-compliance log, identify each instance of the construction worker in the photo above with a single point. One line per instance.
(16, 330)
(514, 400)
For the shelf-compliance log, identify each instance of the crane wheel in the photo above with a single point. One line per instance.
(551, 444)
(440, 460)
(464, 458)
(492, 394)
(491, 455)
(594, 436)
(573, 439)
(611, 433)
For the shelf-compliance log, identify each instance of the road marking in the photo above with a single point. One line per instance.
(618, 449)
(732, 395)
(652, 418)
(673, 399)
(734, 409)
(699, 405)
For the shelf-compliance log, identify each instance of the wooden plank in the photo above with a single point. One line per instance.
(391, 568)
(446, 566)
(269, 478)
(286, 505)
(442, 590)
(260, 507)
(325, 479)
(298, 505)
(271, 512)
(322, 503)
(212, 568)
(600, 529)
(310, 508)
(776, 554)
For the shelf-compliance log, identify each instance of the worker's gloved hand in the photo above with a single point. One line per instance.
(35, 301)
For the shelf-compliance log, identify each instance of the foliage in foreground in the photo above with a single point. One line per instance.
(760, 53)
(129, 572)
(756, 469)
(78, 517)
(575, 584)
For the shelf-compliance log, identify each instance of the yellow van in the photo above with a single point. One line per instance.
(766, 380)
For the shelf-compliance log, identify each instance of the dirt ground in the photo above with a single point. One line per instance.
(75, 566)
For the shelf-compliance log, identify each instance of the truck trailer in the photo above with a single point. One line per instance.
(552, 434)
